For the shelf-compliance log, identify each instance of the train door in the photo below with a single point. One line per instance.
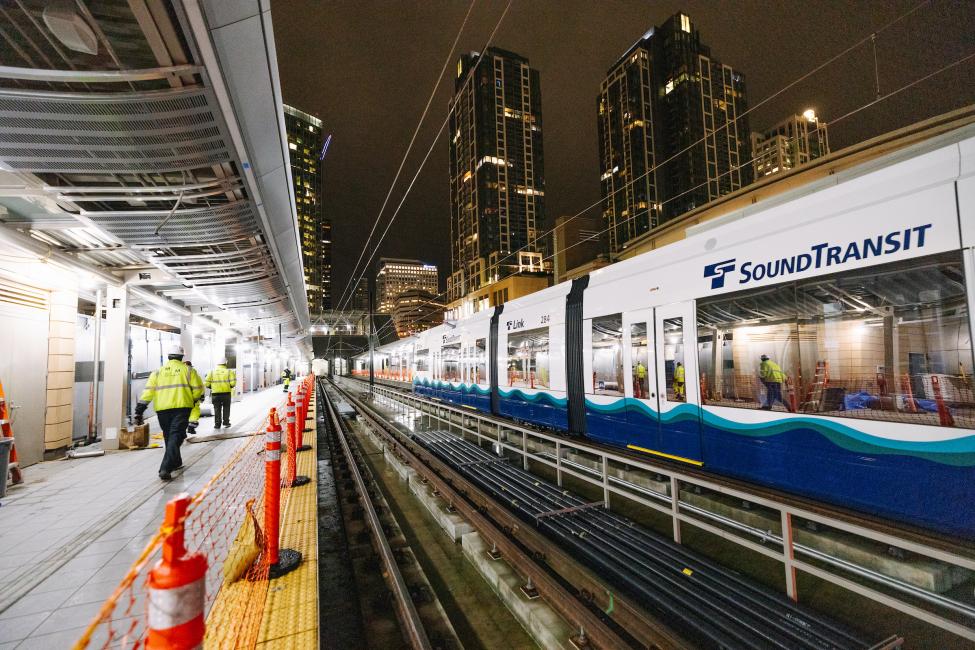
(640, 359)
(677, 381)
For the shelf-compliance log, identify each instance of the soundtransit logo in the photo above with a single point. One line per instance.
(819, 256)
(717, 272)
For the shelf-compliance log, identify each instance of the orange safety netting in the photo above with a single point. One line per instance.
(215, 526)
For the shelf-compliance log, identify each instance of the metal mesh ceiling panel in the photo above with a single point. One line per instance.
(223, 223)
(169, 130)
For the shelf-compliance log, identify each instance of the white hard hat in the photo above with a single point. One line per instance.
(175, 351)
(222, 361)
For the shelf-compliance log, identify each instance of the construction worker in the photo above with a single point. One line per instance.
(286, 379)
(173, 390)
(640, 377)
(195, 413)
(772, 376)
(221, 381)
(679, 382)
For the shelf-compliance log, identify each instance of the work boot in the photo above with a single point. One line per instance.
(226, 425)
(166, 476)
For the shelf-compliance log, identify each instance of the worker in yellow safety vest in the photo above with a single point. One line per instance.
(173, 390)
(195, 412)
(772, 376)
(640, 374)
(221, 381)
(679, 393)
(286, 379)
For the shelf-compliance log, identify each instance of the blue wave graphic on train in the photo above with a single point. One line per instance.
(930, 483)
(957, 451)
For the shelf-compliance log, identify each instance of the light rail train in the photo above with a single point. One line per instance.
(857, 291)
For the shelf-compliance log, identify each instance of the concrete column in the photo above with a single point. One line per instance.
(219, 345)
(239, 369)
(60, 372)
(186, 336)
(115, 356)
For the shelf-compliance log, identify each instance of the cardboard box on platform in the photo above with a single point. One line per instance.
(134, 437)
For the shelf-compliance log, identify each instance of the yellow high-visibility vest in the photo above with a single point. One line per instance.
(173, 386)
(221, 379)
(770, 371)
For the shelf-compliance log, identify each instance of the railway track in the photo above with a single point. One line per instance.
(421, 620)
(914, 535)
(587, 552)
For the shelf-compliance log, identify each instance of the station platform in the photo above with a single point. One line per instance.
(71, 532)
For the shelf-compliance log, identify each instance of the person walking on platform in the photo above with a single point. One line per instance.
(195, 413)
(679, 382)
(286, 379)
(221, 381)
(772, 376)
(173, 390)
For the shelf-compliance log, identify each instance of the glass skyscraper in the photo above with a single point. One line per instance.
(497, 183)
(306, 141)
(671, 132)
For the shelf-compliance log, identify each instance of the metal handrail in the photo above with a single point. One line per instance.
(678, 509)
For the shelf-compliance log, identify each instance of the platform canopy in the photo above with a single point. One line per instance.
(143, 142)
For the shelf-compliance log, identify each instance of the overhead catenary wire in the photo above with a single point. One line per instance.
(839, 119)
(806, 75)
(869, 38)
(354, 281)
(409, 147)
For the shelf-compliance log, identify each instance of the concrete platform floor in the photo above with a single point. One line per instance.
(69, 534)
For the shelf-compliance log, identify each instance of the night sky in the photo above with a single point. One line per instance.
(367, 68)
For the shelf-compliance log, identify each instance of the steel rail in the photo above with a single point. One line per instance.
(927, 543)
(783, 627)
(409, 618)
(576, 593)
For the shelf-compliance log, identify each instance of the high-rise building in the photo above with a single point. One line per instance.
(790, 143)
(497, 184)
(305, 144)
(396, 276)
(416, 310)
(672, 134)
(360, 297)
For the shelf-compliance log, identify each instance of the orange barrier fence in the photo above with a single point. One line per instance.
(210, 557)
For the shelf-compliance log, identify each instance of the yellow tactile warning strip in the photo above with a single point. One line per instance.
(290, 615)
(291, 612)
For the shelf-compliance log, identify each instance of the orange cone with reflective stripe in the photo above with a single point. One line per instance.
(177, 588)
(280, 560)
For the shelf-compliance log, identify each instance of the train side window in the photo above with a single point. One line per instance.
(748, 349)
(889, 342)
(528, 359)
(676, 377)
(480, 362)
(638, 357)
(422, 358)
(607, 355)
